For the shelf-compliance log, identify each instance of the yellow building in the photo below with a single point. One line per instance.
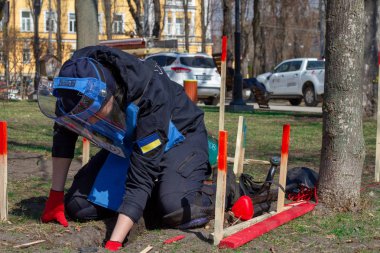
(20, 30)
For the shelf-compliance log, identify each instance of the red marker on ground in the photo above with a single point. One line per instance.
(174, 239)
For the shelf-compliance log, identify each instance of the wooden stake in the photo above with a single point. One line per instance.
(283, 166)
(220, 187)
(147, 249)
(223, 83)
(3, 171)
(25, 245)
(377, 163)
(239, 146)
(242, 154)
(86, 151)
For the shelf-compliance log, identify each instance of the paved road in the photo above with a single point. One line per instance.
(280, 105)
(290, 108)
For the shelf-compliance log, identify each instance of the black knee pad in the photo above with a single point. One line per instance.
(187, 214)
(79, 208)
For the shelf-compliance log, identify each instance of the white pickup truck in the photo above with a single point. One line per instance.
(295, 79)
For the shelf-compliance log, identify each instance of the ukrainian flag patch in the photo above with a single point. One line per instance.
(149, 143)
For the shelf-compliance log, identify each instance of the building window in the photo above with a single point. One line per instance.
(26, 21)
(53, 21)
(72, 23)
(117, 25)
(169, 27)
(100, 20)
(26, 55)
(180, 26)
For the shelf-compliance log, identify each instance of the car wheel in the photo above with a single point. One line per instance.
(295, 101)
(309, 96)
(211, 101)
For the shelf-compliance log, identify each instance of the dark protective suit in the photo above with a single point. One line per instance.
(177, 174)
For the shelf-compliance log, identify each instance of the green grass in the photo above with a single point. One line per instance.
(29, 130)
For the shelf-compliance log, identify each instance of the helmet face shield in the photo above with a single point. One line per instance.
(85, 106)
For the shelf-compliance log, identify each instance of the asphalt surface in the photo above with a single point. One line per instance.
(283, 105)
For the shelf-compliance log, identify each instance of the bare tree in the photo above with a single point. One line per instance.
(185, 5)
(107, 6)
(86, 16)
(370, 69)
(257, 39)
(157, 18)
(135, 10)
(203, 25)
(59, 32)
(343, 152)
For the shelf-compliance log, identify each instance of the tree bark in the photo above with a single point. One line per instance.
(86, 12)
(157, 19)
(370, 57)
(136, 15)
(108, 18)
(59, 32)
(203, 25)
(343, 152)
(185, 5)
(256, 37)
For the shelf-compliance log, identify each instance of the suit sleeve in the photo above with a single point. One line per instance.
(151, 137)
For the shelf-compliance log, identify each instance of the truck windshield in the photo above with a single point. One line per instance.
(315, 65)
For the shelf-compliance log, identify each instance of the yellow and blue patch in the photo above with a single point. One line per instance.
(149, 143)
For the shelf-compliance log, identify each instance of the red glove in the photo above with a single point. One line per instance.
(113, 245)
(54, 209)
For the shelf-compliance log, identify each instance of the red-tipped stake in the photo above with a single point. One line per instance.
(220, 187)
(223, 83)
(283, 166)
(3, 171)
(85, 151)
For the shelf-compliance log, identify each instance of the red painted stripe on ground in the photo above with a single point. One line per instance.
(222, 151)
(174, 239)
(285, 139)
(258, 229)
(3, 138)
(224, 48)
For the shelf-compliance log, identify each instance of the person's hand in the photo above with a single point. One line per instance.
(113, 245)
(55, 209)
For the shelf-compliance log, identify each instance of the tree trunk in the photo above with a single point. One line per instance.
(343, 152)
(185, 4)
(157, 19)
(135, 11)
(203, 25)
(370, 57)
(108, 18)
(256, 37)
(86, 12)
(322, 27)
(36, 46)
(59, 33)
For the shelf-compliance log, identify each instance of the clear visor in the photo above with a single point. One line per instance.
(95, 115)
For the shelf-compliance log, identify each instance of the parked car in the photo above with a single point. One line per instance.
(296, 79)
(201, 67)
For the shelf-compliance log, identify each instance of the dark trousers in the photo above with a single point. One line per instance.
(177, 189)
